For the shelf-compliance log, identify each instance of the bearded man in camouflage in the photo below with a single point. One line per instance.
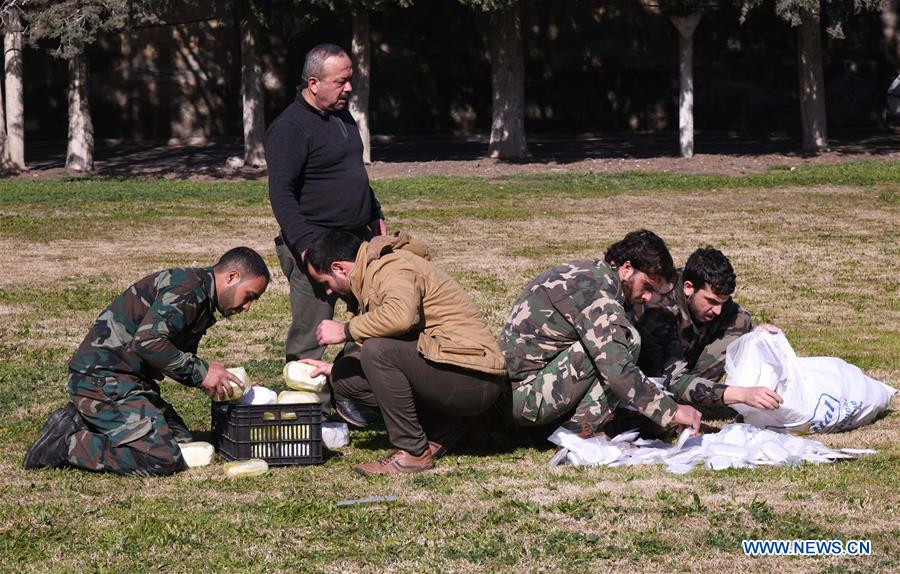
(117, 420)
(571, 348)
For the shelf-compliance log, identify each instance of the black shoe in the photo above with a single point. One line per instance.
(51, 449)
(350, 413)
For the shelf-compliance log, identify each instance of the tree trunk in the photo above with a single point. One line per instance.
(14, 151)
(2, 129)
(686, 26)
(362, 69)
(891, 30)
(80, 151)
(252, 94)
(504, 42)
(812, 81)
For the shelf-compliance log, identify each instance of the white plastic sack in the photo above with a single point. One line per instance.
(821, 394)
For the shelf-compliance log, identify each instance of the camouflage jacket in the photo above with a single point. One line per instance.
(581, 301)
(690, 355)
(153, 329)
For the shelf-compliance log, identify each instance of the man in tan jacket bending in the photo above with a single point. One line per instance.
(426, 356)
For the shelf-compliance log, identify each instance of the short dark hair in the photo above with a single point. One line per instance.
(336, 245)
(315, 59)
(646, 252)
(245, 260)
(709, 266)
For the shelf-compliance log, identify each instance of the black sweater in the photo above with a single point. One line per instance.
(317, 180)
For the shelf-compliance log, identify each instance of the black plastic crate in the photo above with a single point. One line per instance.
(279, 434)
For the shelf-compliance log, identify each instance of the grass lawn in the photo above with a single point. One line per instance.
(816, 251)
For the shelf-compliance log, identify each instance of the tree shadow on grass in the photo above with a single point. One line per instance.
(158, 159)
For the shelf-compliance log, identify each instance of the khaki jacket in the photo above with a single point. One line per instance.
(399, 291)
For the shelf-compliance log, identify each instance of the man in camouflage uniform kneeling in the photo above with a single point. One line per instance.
(117, 420)
(570, 345)
(685, 335)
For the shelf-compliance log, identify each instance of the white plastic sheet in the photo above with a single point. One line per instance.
(735, 446)
(821, 394)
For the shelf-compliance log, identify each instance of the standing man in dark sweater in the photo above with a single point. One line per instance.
(317, 182)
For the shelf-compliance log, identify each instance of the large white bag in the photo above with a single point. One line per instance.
(821, 394)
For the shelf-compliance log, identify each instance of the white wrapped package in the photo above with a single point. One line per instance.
(258, 395)
(302, 397)
(236, 390)
(821, 394)
(335, 435)
(241, 373)
(197, 453)
(245, 468)
(297, 376)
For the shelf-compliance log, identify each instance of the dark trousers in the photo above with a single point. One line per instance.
(411, 391)
(130, 428)
(309, 307)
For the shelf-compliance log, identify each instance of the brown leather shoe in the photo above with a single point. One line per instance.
(443, 442)
(398, 462)
(437, 450)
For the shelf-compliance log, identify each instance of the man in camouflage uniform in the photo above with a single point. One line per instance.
(685, 336)
(117, 420)
(569, 343)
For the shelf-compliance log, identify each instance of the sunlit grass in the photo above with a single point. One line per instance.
(816, 252)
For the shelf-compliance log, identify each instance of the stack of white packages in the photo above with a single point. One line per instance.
(735, 446)
(334, 435)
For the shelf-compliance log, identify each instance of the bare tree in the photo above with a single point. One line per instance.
(361, 54)
(806, 17)
(891, 29)
(283, 18)
(13, 157)
(2, 131)
(499, 21)
(80, 146)
(252, 99)
(686, 24)
(811, 80)
(72, 26)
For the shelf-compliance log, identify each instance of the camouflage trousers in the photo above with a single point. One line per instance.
(130, 428)
(568, 382)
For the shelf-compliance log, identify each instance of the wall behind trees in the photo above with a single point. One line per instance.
(178, 82)
(589, 67)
